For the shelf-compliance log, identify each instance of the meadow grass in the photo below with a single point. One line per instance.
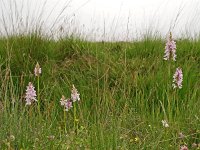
(125, 90)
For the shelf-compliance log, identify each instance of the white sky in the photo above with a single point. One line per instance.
(109, 19)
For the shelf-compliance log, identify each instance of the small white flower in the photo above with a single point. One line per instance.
(165, 124)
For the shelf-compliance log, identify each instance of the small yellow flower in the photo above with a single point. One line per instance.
(137, 139)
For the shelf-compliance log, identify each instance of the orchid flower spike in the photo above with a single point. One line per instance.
(75, 96)
(177, 78)
(170, 49)
(30, 94)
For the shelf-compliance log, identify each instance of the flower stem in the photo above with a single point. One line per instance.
(170, 96)
(65, 120)
(75, 117)
(38, 94)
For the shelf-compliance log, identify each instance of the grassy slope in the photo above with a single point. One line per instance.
(125, 93)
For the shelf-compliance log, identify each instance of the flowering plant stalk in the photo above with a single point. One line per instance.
(170, 96)
(62, 101)
(30, 97)
(170, 53)
(37, 72)
(75, 127)
(75, 96)
(38, 89)
(30, 94)
(170, 49)
(178, 78)
(67, 105)
(177, 84)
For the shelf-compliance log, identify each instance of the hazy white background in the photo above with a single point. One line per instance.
(103, 19)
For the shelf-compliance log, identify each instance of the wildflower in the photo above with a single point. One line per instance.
(66, 103)
(137, 139)
(30, 94)
(178, 78)
(37, 70)
(184, 147)
(165, 124)
(170, 49)
(74, 94)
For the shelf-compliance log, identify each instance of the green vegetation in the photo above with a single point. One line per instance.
(125, 90)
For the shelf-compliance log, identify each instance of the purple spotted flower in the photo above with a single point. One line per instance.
(178, 78)
(170, 49)
(30, 94)
(75, 96)
(67, 103)
(37, 70)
